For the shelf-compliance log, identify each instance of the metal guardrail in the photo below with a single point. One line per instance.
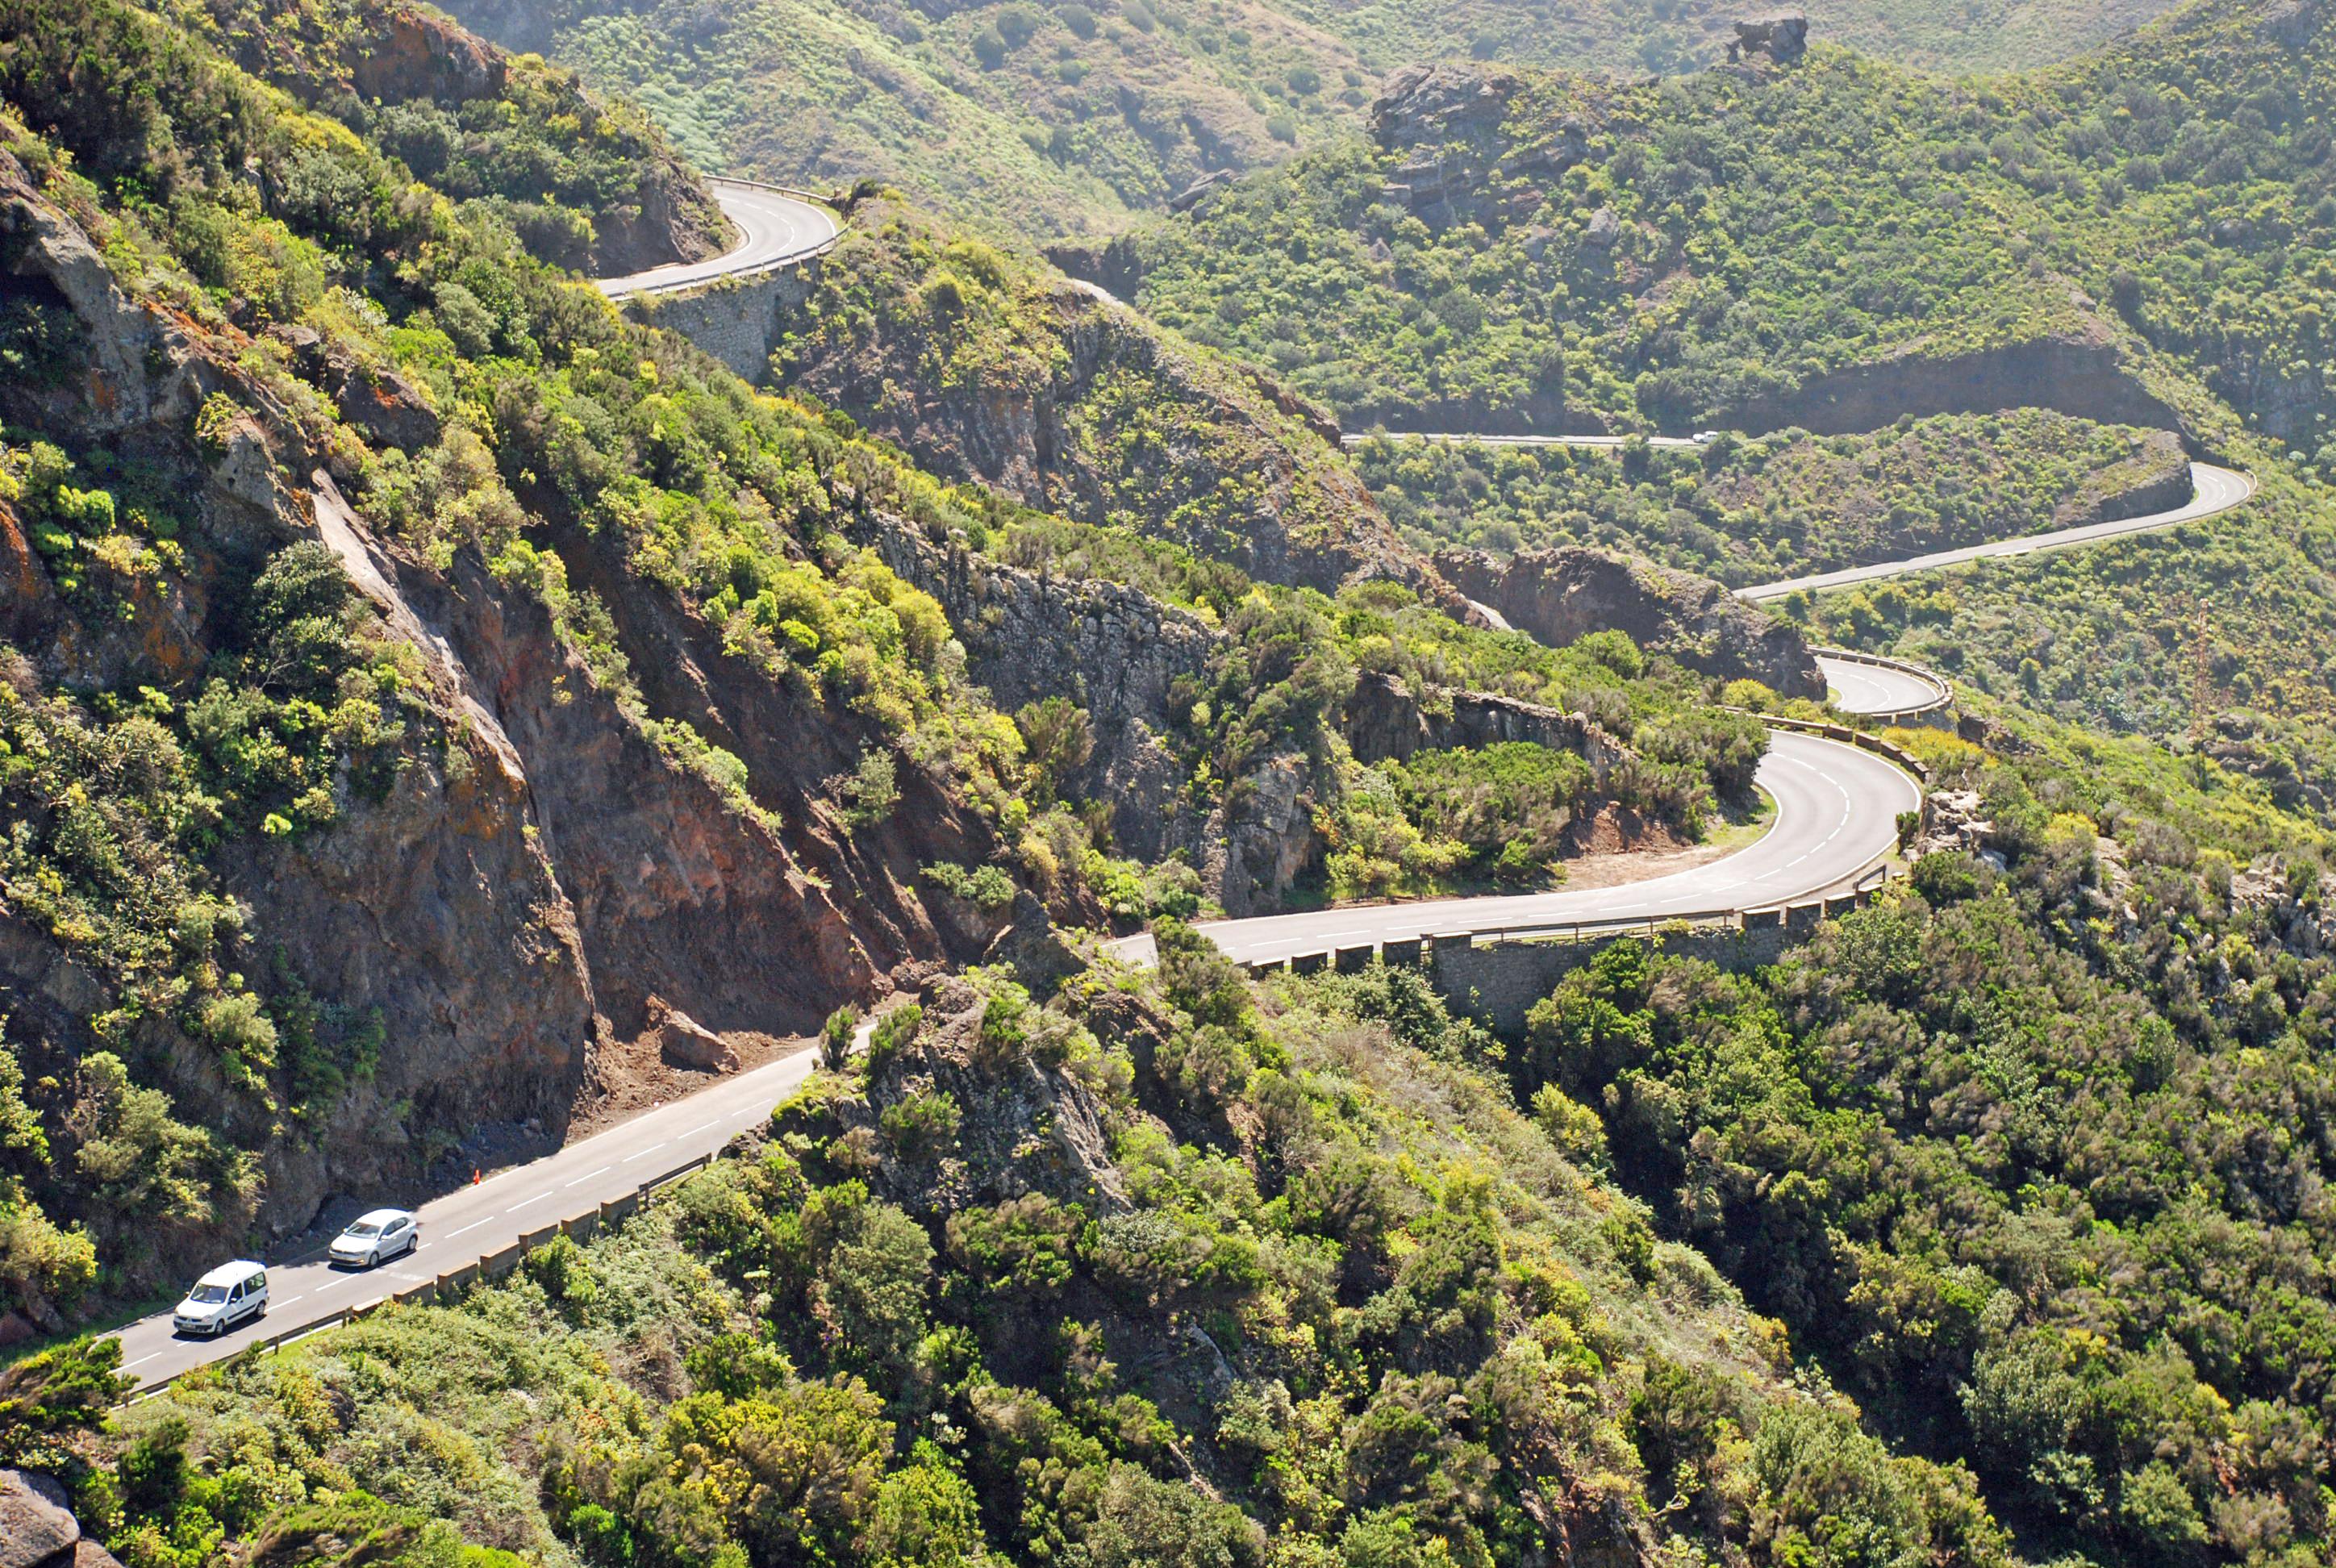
(817, 198)
(1930, 678)
(1797, 915)
(776, 264)
(1789, 916)
(489, 1266)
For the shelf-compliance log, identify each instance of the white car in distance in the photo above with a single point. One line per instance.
(374, 1237)
(227, 1295)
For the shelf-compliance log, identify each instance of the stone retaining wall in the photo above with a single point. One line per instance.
(734, 319)
(1497, 983)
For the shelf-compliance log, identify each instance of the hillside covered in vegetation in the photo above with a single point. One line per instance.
(1828, 242)
(1041, 120)
(418, 677)
(381, 602)
(1759, 509)
(1983, 1231)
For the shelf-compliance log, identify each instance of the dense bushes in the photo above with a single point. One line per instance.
(1293, 1286)
(1752, 231)
(2022, 1159)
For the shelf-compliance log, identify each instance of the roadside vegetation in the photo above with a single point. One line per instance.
(210, 702)
(1756, 509)
(1317, 1292)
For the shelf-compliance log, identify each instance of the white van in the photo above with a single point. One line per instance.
(230, 1294)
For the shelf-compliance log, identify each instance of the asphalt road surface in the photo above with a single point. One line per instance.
(1837, 810)
(775, 231)
(468, 1222)
(1862, 689)
(1463, 438)
(2215, 489)
(1836, 813)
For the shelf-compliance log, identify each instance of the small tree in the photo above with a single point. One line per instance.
(47, 1400)
(835, 1037)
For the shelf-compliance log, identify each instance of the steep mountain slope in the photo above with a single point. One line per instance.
(422, 679)
(584, 182)
(340, 835)
(1043, 121)
(987, 365)
(1832, 245)
(1138, 1275)
(1170, 1267)
(1690, 34)
(1789, 503)
(1828, 243)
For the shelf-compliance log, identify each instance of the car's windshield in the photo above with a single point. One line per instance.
(208, 1293)
(363, 1228)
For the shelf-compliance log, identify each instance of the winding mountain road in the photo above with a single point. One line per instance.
(468, 1223)
(1837, 810)
(2213, 491)
(1858, 688)
(775, 229)
(1836, 817)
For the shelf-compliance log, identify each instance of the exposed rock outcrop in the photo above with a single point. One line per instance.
(394, 52)
(1114, 650)
(535, 865)
(1118, 651)
(1783, 38)
(1025, 1127)
(2160, 480)
(38, 1530)
(384, 406)
(1385, 720)
(1561, 594)
(685, 1042)
(411, 53)
(2087, 376)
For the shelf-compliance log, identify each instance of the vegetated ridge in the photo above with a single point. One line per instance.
(1043, 122)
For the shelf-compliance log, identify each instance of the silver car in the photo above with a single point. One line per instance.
(381, 1234)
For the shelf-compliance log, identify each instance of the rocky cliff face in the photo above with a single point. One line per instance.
(1385, 720)
(1561, 594)
(1117, 651)
(534, 878)
(2088, 377)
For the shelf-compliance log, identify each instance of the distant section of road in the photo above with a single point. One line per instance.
(2214, 490)
(1463, 438)
(1836, 816)
(776, 229)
